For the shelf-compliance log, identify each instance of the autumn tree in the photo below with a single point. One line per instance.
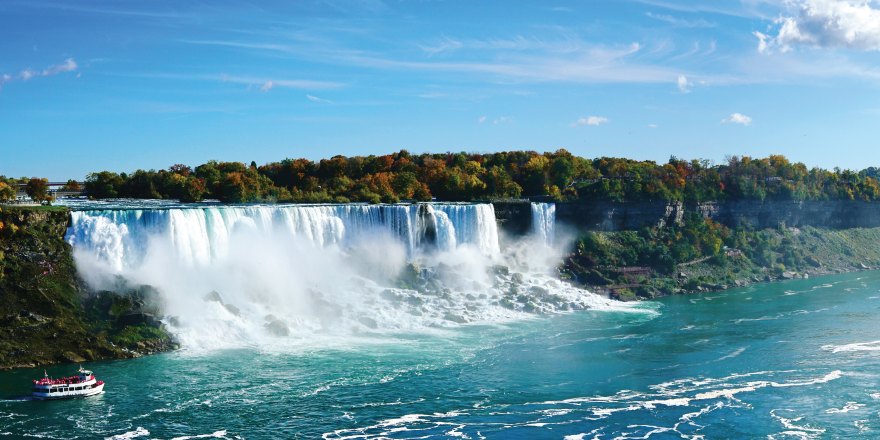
(6, 192)
(38, 189)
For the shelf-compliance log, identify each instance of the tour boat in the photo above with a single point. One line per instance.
(82, 385)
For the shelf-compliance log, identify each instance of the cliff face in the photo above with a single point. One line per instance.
(610, 216)
(42, 318)
(514, 218)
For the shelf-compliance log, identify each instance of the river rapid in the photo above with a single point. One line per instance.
(794, 359)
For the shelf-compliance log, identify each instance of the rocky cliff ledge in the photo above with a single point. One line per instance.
(514, 218)
(47, 315)
(611, 216)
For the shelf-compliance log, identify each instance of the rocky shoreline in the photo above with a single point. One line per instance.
(787, 275)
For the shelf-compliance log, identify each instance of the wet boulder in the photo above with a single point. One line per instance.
(232, 309)
(517, 278)
(389, 295)
(410, 273)
(500, 270)
(454, 318)
(278, 328)
(538, 290)
(72, 357)
(135, 318)
(368, 322)
(213, 296)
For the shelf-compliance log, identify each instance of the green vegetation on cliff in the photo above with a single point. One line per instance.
(43, 317)
(702, 254)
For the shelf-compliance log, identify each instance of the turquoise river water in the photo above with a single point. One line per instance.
(783, 360)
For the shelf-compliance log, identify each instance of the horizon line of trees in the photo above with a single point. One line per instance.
(471, 176)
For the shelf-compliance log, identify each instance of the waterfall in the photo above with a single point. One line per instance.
(544, 222)
(201, 235)
(321, 269)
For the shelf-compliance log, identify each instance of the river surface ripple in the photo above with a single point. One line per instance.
(795, 359)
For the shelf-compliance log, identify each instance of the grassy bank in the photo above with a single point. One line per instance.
(44, 315)
(700, 255)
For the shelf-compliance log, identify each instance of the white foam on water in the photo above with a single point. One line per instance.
(803, 432)
(859, 346)
(217, 434)
(729, 393)
(139, 432)
(705, 396)
(850, 406)
(736, 353)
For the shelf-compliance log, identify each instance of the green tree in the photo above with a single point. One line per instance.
(104, 185)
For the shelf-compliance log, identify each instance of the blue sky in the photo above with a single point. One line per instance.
(121, 85)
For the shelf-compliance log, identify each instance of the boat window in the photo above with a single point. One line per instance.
(37, 390)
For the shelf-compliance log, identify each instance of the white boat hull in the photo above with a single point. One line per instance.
(70, 394)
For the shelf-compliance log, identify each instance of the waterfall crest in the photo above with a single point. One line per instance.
(200, 236)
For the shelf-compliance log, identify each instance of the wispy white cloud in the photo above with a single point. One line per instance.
(831, 24)
(316, 99)
(590, 120)
(269, 85)
(698, 6)
(680, 22)
(596, 64)
(481, 120)
(652, 126)
(447, 44)
(565, 58)
(291, 83)
(432, 95)
(683, 84)
(502, 119)
(737, 118)
(67, 66)
(25, 75)
(692, 52)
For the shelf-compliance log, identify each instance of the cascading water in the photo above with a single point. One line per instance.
(329, 268)
(544, 222)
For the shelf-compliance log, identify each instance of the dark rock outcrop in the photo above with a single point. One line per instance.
(135, 318)
(514, 218)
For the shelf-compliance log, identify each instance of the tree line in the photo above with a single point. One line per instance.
(36, 188)
(465, 176)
